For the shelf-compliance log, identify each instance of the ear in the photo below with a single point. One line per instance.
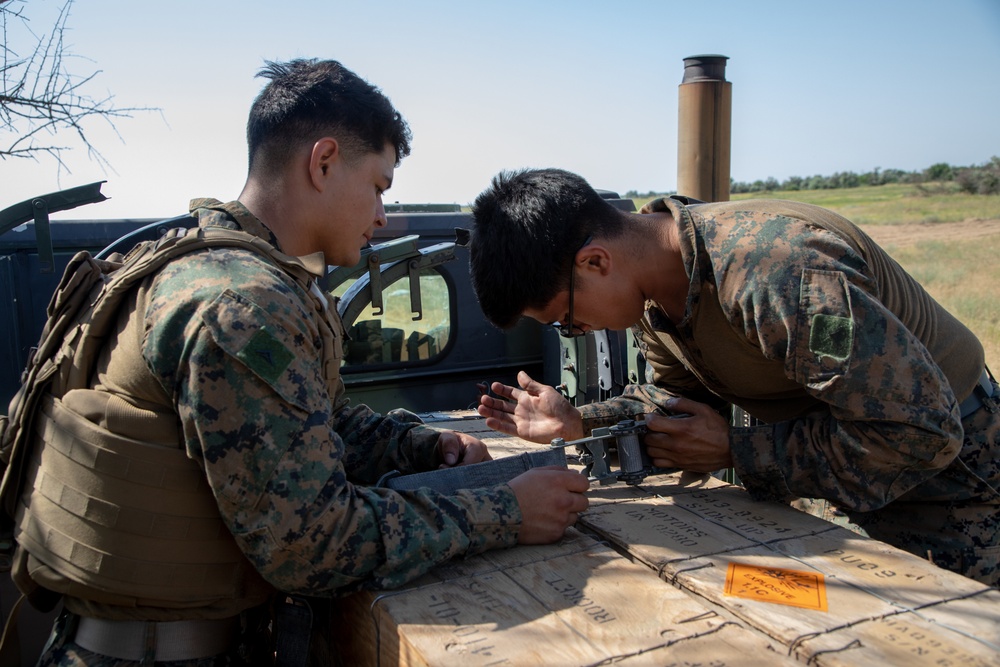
(594, 257)
(324, 155)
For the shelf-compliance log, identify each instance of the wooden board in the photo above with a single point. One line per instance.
(958, 633)
(730, 646)
(583, 607)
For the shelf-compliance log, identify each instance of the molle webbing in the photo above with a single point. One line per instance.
(135, 521)
(99, 515)
(81, 313)
(144, 260)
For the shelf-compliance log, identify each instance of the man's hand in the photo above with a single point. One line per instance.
(538, 412)
(551, 499)
(697, 441)
(458, 449)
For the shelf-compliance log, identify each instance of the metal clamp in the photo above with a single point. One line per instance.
(595, 453)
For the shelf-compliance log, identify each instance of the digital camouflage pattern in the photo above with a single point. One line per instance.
(249, 359)
(796, 316)
(255, 379)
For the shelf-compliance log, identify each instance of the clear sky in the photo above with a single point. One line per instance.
(818, 87)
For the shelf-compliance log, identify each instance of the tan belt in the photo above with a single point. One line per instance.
(164, 641)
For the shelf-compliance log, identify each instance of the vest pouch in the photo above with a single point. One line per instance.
(121, 521)
(40, 598)
(158, 538)
(81, 282)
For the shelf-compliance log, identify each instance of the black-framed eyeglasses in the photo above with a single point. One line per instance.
(569, 329)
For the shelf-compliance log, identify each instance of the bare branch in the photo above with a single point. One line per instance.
(40, 100)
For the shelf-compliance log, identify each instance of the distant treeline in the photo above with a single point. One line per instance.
(981, 179)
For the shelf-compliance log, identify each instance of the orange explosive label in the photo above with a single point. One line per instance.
(777, 585)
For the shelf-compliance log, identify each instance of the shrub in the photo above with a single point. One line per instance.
(981, 180)
(942, 171)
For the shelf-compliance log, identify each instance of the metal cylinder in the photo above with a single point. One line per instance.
(705, 101)
(630, 454)
(630, 451)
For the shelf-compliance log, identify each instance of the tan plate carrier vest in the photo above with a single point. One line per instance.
(97, 515)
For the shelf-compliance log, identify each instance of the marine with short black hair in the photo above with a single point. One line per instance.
(869, 394)
(211, 466)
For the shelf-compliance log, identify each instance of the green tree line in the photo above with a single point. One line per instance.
(981, 179)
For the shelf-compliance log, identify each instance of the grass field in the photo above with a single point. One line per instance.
(898, 204)
(960, 270)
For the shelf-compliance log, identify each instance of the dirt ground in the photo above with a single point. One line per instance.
(904, 235)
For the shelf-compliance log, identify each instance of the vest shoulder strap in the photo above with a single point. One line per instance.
(80, 313)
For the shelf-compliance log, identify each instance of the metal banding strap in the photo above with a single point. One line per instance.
(476, 475)
(174, 640)
(984, 389)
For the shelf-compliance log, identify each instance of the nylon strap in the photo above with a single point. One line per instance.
(10, 642)
(476, 475)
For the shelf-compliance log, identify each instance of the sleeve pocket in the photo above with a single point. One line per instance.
(246, 332)
(824, 340)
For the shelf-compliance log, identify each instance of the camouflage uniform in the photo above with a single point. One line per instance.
(796, 316)
(237, 347)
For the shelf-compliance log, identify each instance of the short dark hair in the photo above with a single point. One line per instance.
(529, 225)
(306, 100)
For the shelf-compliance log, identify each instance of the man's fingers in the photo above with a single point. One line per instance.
(528, 384)
(579, 485)
(663, 463)
(501, 389)
(660, 424)
(498, 415)
(495, 404)
(682, 405)
(502, 425)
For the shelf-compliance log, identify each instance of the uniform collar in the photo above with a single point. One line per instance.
(695, 263)
(234, 215)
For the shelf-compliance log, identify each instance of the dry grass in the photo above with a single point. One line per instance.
(963, 275)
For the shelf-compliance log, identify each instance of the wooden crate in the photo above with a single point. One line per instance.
(682, 569)
(576, 603)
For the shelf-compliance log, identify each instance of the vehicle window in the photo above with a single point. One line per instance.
(395, 337)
